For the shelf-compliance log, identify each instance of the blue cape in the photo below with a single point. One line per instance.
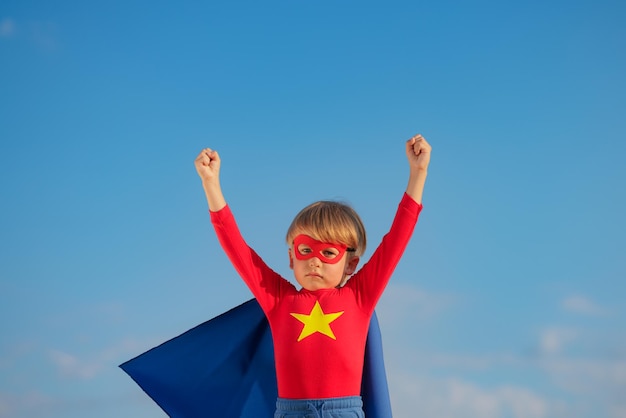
(225, 368)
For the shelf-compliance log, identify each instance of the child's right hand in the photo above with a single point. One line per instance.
(208, 165)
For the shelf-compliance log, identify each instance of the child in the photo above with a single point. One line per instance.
(319, 331)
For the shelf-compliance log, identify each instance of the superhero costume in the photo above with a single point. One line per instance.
(225, 366)
(319, 336)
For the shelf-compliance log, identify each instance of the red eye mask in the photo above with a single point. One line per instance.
(305, 247)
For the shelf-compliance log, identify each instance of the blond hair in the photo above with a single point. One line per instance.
(330, 221)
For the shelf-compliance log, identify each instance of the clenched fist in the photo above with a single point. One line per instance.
(208, 165)
(418, 152)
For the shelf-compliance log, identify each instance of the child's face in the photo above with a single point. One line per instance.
(318, 265)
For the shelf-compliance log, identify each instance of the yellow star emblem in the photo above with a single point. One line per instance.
(317, 321)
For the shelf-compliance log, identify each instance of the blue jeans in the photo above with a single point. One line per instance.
(348, 407)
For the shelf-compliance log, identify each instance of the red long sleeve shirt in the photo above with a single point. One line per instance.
(319, 336)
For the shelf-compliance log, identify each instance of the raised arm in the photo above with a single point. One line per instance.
(418, 154)
(208, 167)
(264, 283)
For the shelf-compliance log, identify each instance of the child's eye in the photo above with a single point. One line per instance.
(303, 249)
(329, 253)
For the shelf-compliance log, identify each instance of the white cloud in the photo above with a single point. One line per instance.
(37, 404)
(466, 362)
(72, 366)
(33, 403)
(5, 408)
(574, 372)
(404, 302)
(582, 305)
(618, 411)
(41, 34)
(44, 34)
(14, 351)
(110, 312)
(457, 398)
(597, 378)
(522, 402)
(553, 340)
(7, 28)
(556, 382)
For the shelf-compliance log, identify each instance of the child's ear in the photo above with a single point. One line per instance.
(290, 259)
(351, 265)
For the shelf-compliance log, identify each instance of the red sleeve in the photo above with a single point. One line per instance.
(371, 280)
(265, 284)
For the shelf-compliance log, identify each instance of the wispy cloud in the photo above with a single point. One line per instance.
(618, 412)
(407, 301)
(553, 340)
(577, 388)
(43, 34)
(33, 403)
(458, 398)
(7, 28)
(582, 305)
(5, 408)
(38, 404)
(88, 367)
(72, 367)
(599, 378)
(562, 378)
(14, 351)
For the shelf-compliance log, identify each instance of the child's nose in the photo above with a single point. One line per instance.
(315, 261)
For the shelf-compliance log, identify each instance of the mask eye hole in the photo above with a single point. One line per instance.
(330, 253)
(304, 249)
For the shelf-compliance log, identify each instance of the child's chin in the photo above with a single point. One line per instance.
(320, 286)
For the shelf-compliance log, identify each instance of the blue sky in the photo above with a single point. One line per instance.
(509, 302)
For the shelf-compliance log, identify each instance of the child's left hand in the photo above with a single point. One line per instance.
(418, 152)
